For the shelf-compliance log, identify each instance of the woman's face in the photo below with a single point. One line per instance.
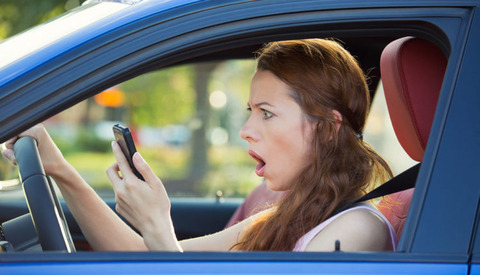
(277, 131)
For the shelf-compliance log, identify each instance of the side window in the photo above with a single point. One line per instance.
(9, 183)
(185, 121)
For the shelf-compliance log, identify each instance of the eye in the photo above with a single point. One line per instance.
(266, 114)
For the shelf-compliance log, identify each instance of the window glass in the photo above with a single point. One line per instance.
(380, 134)
(9, 183)
(185, 121)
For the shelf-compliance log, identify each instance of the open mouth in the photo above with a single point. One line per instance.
(260, 169)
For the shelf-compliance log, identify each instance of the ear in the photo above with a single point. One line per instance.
(338, 118)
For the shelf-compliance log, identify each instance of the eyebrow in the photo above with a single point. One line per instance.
(256, 105)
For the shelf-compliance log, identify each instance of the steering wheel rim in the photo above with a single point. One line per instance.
(45, 210)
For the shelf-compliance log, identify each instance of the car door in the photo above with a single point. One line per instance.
(438, 231)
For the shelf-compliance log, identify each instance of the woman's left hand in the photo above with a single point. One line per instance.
(144, 204)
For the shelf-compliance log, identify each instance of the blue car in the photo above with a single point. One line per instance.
(67, 61)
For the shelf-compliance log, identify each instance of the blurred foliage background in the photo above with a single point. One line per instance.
(19, 15)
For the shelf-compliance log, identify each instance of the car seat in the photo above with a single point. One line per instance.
(412, 71)
(259, 199)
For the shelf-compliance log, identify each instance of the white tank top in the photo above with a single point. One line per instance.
(307, 238)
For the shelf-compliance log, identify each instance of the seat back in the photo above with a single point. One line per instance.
(259, 199)
(412, 73)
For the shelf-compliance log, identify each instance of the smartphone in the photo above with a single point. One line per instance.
(123, 136)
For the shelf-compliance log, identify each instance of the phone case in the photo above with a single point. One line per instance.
(124, 138)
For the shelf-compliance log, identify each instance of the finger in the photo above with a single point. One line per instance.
(121, 160)
(143, 168)
(9, 143)
(9, 154)
(118, 209)
(122, 207)
(121, 211)
(32, 132)
(125, 213)
(114, 177)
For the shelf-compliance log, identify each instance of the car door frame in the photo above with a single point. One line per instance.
(423, 225)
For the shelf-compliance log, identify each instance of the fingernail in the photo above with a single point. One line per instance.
(137, 155)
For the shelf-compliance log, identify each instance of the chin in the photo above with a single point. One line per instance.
(276, 186)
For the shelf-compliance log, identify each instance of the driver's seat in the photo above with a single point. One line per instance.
(412, 71)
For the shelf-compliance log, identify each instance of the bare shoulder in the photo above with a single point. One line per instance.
(357, 230)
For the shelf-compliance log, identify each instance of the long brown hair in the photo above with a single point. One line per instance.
(323, 77)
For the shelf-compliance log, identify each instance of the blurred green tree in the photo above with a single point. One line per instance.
(19, 15)
(161, 97)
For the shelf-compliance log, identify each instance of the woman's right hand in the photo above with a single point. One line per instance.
(50, 155)
(145, 204)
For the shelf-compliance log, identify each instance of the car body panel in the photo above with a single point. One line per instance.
(475, 269)
(460, 121)
(121, 16)
(235, 263)
(247, 267)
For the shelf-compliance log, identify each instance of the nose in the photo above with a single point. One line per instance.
(248, 132)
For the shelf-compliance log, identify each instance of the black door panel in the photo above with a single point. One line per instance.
(192, 217)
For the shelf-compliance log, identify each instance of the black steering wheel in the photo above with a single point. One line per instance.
(45, 210)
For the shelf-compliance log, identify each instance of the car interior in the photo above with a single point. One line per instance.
(411, 104)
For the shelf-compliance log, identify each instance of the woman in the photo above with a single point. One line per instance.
(308, 103)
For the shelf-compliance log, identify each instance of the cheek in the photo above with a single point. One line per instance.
(291, 156)
(292, 145)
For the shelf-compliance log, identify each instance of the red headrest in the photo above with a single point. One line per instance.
(412, 72)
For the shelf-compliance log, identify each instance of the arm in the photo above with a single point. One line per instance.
(100, 225)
